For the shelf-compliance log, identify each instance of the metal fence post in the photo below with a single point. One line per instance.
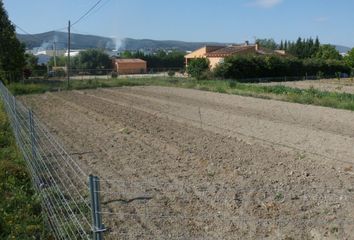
(15, 119)
(31, 132)
(97, 226)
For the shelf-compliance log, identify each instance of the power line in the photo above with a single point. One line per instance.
(83, 16)
(34, 37)
(76, 22)
(102, 5)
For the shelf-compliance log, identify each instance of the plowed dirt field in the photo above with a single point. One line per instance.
(188, 164)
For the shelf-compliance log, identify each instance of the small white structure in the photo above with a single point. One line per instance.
(73, 52)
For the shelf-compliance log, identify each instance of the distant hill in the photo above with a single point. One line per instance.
(342, 49)
(149, 44)
(82, 41)
(78, 41)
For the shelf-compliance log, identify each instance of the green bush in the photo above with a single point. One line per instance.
(30, 88)
(198, 68)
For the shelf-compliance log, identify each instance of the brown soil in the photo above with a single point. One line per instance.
(187, 164)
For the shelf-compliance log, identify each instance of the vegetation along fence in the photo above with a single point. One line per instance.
(69, 197)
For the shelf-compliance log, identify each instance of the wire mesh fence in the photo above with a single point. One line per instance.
(58, 180)
(61, 74)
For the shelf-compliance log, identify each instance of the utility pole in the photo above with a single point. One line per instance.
(68, 64)
(55, 53)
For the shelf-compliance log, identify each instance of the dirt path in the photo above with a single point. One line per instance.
(189, 164)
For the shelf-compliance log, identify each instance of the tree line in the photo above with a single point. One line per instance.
(303, 48)
(258, 66)
(252, 67)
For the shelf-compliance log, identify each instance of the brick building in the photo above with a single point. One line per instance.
(129, 66)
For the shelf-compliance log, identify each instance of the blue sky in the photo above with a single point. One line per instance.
(193, 20)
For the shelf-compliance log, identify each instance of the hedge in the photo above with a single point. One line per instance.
(256, 66)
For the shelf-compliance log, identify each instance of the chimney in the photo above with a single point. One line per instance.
(257, 46)
(247, 43)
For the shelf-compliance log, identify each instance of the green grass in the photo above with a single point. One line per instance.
(20, 209)
(279, 92)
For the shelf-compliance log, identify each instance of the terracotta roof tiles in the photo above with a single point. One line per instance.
(230, 50)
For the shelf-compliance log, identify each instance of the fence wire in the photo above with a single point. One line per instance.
(57, 178)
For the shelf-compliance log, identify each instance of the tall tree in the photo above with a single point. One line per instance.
(303, 48)
(327, 51)
(31, 61)
(12, 58)
(317, 45)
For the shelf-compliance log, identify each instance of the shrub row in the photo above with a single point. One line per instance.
(255, 66)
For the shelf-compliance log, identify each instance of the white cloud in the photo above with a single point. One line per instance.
(265, 3)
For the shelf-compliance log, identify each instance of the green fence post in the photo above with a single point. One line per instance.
(97, 226)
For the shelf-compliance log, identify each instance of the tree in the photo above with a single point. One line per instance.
(317, 44)
(93, 61)
(267, 43)
(31, 61)
(349, 59)
(162, 60)
(303, 48)
(12, 58)
(197, 67)
(60, 61)
(126, 54)
(327, 51)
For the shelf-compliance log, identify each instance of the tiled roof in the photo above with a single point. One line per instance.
(230, 50)
(210, 48)
(129, 60)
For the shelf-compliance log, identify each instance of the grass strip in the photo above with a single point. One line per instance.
(20, 209)
(279, 92)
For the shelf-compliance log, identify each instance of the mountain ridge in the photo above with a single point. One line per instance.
(78, 41)
(85, 41)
